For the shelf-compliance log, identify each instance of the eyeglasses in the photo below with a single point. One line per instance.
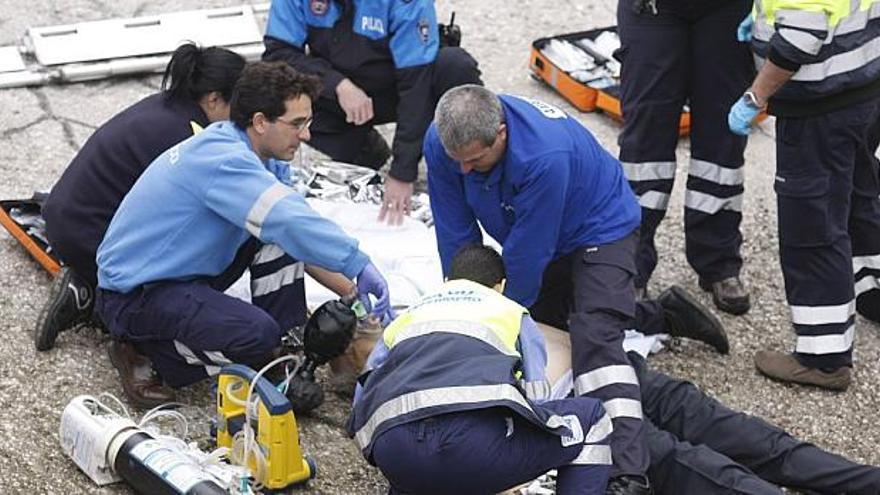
(297, 125)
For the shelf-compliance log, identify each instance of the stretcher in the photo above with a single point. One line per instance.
(23, 219)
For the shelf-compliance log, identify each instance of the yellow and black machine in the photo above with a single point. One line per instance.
(266, 439)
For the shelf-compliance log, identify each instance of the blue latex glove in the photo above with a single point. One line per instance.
(371, 282)
(741, 116)
(744, 31)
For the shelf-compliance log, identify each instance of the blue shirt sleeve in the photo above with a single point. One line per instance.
(534, 360)
(287, 23)
(377, 358)
(454, 221)
(248, 195)
(414, 37)
(539, 209)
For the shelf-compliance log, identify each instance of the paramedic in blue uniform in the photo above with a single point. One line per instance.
(697, 444)
(677, 52)
(559, 204)
(380, 61)
(454, 399)
(196, 90)
(181, 237)
(821, 79)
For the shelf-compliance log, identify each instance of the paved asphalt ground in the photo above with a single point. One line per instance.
(41, 129)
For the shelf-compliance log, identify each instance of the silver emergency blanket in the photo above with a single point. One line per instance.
(588, 60)
(343, 182)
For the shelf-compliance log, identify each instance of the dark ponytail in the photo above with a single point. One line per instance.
(194, 72)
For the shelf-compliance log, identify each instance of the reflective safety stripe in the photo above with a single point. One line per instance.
(190, 357)
(825, 344)
(283, 277)
(264, 204)
(713, 172)
(861, 262)
(459, 327)
(593, 454)
(855, 21)
(538, 390)
(801, 40)
(444, 396)
(269, 252)
(711, 205)
(641, 171)
(817, 21)
(623, 408)
(840, 63)
(600, 430)
(866, 283)
(602, 377)
(654, 200)
(822, 315)
(217, 357)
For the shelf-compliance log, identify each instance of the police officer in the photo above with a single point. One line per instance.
(196, 89)
(205, 210)
(454, 399)
(677, 52)
(380, 61)
(821, 78)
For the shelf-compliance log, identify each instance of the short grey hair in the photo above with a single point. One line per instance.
(468, 113)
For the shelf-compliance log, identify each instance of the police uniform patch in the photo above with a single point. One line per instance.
(319, 7)
(424, 30)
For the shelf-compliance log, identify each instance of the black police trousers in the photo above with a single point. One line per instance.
(685, 54)
(590, 294)
(190, 329)
(827, 190)
(345, 142)
(699, 446)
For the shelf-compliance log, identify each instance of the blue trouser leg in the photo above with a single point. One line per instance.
(190, 329)
(821, 211)
(681, 467)
(655, 66)
(278, 286)
(490, 450)
(680, 409)
(864, 226)
(603, 307)
(685, 54)
(722, 71)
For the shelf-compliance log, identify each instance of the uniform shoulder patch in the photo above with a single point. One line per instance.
(319, 7)
(548, 110)
(424, 30)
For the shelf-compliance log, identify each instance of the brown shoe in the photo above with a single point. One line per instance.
(786, 368)
(141, 384)
(729, 295)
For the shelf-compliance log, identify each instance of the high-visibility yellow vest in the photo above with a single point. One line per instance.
(462, 306)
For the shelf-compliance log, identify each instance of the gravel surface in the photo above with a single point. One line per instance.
(41, 129)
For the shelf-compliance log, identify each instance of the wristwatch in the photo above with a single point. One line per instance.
(752, 100)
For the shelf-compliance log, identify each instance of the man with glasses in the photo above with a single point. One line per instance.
(206, 210)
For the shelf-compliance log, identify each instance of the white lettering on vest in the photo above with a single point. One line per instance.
(372, 24)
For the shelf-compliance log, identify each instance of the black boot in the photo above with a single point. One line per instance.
(70, 305)
(628, 485)
(686, 317)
